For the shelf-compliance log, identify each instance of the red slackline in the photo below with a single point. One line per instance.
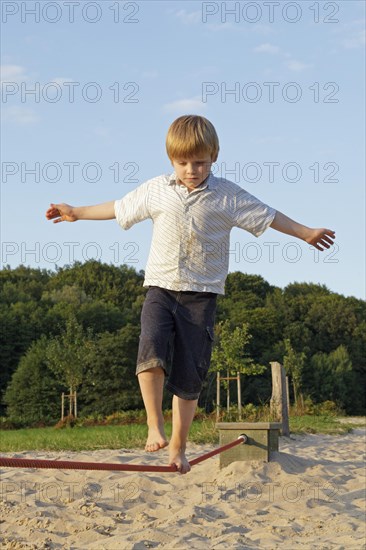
(68, 465)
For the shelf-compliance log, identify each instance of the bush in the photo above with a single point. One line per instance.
(249, 413)
(33, 394)
(69, 421)
(307, 407)
(9, 424)
(126, 417)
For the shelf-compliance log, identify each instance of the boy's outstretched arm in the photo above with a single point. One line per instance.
(67, 213)
(321, 238)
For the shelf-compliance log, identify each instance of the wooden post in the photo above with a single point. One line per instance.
(228, 392)
(278, 402)
(217, 396)
(288, 394)
(62, 405)
(75, 405)
(239, 396)
(275, 403)
(70, 402)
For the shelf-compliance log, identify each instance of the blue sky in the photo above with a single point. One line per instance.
(283, 85)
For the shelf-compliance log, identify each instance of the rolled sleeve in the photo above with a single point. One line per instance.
(133, 207)
(252, 214)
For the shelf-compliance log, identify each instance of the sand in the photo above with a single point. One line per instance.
(311, 496)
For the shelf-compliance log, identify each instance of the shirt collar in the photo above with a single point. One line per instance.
(210, 182)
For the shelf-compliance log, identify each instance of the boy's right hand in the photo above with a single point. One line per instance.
(61, 213)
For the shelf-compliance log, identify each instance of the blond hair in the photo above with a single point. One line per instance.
(192, 135)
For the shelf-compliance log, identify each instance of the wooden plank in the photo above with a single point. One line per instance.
(248, 426)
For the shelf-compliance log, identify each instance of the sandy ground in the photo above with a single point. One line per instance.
(311, 496)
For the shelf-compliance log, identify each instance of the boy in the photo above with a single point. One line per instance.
(193, 213)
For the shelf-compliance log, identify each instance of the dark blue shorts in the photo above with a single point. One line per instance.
(177, 331)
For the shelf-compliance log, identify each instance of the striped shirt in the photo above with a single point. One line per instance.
(191, 230)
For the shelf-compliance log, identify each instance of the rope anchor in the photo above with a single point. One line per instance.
(69, 465)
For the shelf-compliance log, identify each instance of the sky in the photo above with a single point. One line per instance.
(89, 90)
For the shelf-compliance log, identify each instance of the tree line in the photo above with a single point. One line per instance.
(78, 326)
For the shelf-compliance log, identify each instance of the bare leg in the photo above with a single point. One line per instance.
(183, 413)
(151, 384)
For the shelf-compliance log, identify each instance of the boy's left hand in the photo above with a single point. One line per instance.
(321, 238)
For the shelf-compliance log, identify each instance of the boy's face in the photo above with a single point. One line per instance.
(193, 171)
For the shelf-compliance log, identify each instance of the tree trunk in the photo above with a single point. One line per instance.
(217, 397)
(62, 405)
(294, 385)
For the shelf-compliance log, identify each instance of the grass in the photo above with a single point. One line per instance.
(134, 435)
(319, 424)
(93, 437)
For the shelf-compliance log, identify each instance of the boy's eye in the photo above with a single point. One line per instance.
(195, 163)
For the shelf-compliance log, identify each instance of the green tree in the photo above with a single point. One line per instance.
(22, 284)
(21, 323)
(294, 363)
(108, 299)
(332, 321)
(110, 383)
(32, 395)
(334, 378)
(69, 354)
(230, 354)
(118, 285)
(243, 293)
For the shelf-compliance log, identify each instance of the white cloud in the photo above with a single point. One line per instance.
(350, 35)
(189, 18)
(297, 66)
(19, 115)
(355, 40)
(218, 27)
(185, 106)
(291, 64)
(12, 73)
(267, 48)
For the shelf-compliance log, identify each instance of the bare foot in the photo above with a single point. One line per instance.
(178, 458)
(156, 440)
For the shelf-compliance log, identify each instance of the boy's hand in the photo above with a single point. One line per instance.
(61, 213)
(321, 238)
